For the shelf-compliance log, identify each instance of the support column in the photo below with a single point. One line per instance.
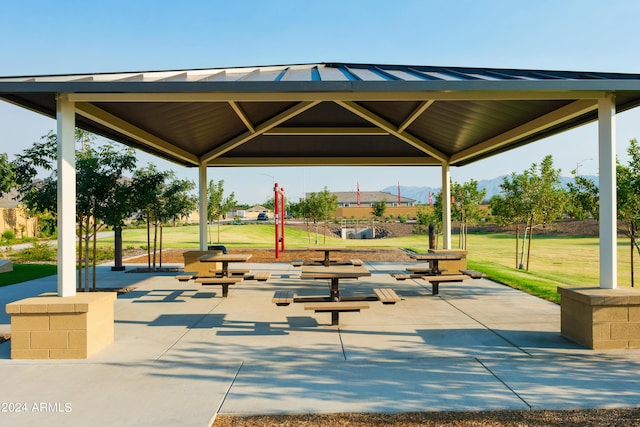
(204, 203)
(608, 200)
(65, 116)
(446, 206)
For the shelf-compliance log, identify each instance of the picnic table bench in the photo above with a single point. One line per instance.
(185, 276)
(336, 307)
(436, 280)
(225, 282)
(473, 274)
(282, 298)
(403, 275)
(261, 276)
(386, 295)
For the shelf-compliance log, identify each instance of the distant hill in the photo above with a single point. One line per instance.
(421, 194)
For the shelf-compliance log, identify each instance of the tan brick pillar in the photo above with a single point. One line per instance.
(53, 327)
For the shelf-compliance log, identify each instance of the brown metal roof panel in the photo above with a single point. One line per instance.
(325, 146)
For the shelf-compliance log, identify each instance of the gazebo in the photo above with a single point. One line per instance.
(329, 114)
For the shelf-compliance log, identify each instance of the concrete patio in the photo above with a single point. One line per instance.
(183, 354)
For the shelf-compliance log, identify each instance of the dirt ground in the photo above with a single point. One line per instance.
(170, 256)
(577, 418)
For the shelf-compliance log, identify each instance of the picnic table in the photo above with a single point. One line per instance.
(433, 259)
(334, 273)
(334, 304)
(225, 259)
(326, 261)
(225, 280)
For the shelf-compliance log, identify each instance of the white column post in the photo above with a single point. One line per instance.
(65, 116)
(446, 206)
(202, 184)
(607, 184)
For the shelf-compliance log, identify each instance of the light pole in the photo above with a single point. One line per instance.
(579, 163)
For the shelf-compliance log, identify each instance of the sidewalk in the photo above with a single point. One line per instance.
(183, 354)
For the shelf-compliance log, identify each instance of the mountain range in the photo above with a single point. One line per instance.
(421, 194)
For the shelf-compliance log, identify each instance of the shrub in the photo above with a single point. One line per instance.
(37, 253)
(8, 236)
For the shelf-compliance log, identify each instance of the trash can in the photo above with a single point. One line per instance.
(217, 248)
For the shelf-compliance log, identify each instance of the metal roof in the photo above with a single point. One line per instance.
(327, 113)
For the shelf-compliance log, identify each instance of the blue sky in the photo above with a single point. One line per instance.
(44, 37)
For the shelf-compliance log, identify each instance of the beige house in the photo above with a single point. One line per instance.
(14, 217)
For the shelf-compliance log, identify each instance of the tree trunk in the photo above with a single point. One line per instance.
(517, 243)
(148, 241)
(161, 232)
(87, 239)
(155, 242)
(95, 254)
(632, 245)
(529, 243)
(117, 249)
(79, 284)
(324, 237)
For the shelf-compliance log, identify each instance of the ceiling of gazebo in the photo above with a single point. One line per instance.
(327, 114)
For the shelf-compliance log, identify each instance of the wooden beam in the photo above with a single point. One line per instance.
(104, 118)
(575, 109)
(392, 129)
(416, 113)
(241, 114)
(323, 161)
(259, 130)
(335, 131)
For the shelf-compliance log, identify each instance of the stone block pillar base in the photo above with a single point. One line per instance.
(53, 327)
(601, 319)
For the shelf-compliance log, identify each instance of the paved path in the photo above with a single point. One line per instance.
(183, 354)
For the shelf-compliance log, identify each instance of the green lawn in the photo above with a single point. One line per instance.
(24, 272)
(555, 261)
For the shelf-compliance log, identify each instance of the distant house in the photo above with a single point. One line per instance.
(368, 198)
(14, 217)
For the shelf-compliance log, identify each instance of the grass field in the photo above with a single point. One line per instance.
(25, 272)
(555, 261)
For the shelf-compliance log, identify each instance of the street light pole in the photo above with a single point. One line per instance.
(578, 165)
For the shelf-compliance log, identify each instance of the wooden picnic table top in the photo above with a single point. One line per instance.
(231, 257)
(334, 271)
(327, 248)
(435, 257)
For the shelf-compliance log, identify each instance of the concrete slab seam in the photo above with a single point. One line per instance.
(503, 383)
(186, 332)
(344, 353)
(226, 393)
(488, 328)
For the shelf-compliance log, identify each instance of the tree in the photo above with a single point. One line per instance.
(38, 195)
(534, 198)
(628, 196)
(7, 174)
(379, 208)
(427, 216)
(218, 205)
(176, 201)
(467, 198)
(583, 198)
(98, 171)
(319, 206)
(148, 184)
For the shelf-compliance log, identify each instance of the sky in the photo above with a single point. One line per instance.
(44, 37)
